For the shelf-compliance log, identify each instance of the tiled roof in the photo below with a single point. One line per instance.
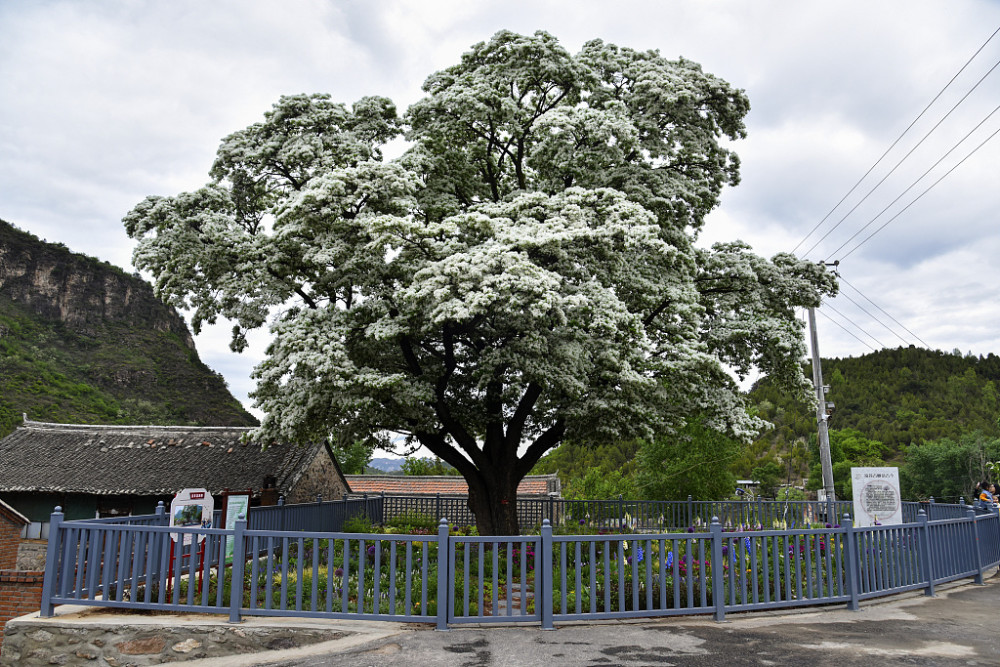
(532, 485)
(143, 460)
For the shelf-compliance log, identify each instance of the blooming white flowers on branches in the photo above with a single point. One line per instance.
(524, 273)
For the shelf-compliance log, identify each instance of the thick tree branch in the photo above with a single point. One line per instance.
(515, 427)
(543, 443)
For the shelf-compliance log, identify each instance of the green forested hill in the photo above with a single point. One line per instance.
(898, 397)
(83, 342)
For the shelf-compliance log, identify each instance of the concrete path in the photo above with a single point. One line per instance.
(960, 626)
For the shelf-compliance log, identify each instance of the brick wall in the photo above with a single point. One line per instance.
(10, 540)
(20, 590)
(20, 594)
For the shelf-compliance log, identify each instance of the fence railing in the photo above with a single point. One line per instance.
(446, 577)
(642, 514)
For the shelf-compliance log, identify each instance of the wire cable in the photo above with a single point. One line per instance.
(849, 333)
(903, 159)
(908, 127)
(884, 325)
(845, 281)
(914, 183)
(856, 325)
(929, 188)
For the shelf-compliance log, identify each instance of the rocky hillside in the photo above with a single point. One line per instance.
(81, 341)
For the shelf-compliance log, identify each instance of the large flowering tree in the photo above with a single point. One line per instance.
(526, 272)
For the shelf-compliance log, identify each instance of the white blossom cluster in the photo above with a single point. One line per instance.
(524, 273)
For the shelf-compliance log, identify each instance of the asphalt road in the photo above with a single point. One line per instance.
(959, 626)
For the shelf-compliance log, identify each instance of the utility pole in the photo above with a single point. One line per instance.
(824, 434)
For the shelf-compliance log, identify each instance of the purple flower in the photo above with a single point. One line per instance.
(725, 549)
(829, 525)
(583, 521)
(339, 572)
(690, 529)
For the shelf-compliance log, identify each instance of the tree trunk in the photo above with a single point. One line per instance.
(493, 501)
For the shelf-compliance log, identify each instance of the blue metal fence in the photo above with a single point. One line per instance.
(444, 578)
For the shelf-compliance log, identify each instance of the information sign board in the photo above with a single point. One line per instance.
(189, 508)
(877, 500)
(235, 505)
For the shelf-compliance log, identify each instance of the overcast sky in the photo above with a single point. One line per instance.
(104, 103)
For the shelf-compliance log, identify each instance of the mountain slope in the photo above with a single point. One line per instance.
(81, 341)
(896, 396)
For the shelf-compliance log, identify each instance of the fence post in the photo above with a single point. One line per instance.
(281, 513)
(239, 560)
(718, 580)
(925, 552)
(545, 589)
(161, 511)
(551, 514)
(621, 509)
(445, 583)
(381, 510)
(851, 563)
(437, 507)
(979, 554)
(689, 519)
(51, 563)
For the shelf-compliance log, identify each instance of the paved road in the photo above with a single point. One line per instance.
(960, 626)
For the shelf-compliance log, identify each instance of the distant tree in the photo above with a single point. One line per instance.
(355, 457)
(574, 462)
(769, 475)
(849, 448)
(948, 468)
(696, 461)
(525, 273)
(427, 466)
(600, 484)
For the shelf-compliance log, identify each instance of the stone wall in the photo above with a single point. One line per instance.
(32, 641)
(320, 478)
(31, 555)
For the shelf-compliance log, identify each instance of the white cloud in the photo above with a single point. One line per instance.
(107, 102)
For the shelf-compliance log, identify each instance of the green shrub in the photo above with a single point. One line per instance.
(410, 520)
(359, 524)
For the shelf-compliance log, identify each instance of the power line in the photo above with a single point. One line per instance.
(849, 333)
(908, 127)
(913, 184)
(929, 188)
(905, 157)
(861, 308)
(844, 280)
(856, 325)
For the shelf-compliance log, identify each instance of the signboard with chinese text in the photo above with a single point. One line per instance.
(877, 500)
(235, 505)
(191, 508)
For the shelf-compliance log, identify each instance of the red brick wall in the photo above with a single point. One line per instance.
(10, 539)
(20, 594)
